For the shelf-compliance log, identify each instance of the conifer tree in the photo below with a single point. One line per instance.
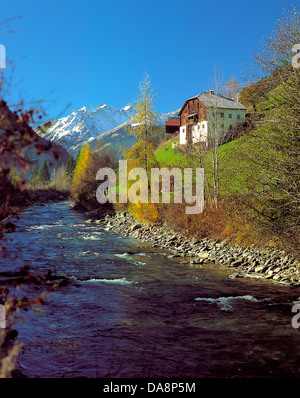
(44, 175)
(34, 173)
(70, 167)
(144, 127)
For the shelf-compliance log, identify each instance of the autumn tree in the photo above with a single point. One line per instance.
(82, 165)
(230, 88)
(144, 127)
(215, 162)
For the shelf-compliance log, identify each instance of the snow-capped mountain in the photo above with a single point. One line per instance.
(90, 124)
(86, 123)
(118, 138)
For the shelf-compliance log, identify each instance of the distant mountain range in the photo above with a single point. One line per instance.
(92, 124)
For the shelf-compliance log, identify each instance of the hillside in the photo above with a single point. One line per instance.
(116, 138)
(92, 124)
(86, 123)
(30, 149)
(232, 161)
(55, 156)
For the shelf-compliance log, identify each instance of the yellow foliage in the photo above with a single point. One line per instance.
(82, 164)
(145, 212)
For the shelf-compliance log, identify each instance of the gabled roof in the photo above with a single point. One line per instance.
(211, 100)
(220, 101)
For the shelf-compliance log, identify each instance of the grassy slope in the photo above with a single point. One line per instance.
(169, 157)
(232, 161)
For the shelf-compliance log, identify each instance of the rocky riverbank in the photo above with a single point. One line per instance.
(30, 197)
(23, 199)
(245, 262)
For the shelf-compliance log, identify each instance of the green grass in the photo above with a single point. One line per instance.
(234, 165)
(168, 156)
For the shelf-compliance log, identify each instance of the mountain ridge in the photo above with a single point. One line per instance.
(89, 124)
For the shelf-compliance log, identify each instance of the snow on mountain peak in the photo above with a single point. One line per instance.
(85, 109)
(127, 107)
(90, 122)
(86, 123)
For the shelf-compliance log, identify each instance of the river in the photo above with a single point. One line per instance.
(132, 311)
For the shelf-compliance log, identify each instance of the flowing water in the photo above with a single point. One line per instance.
(132, 311)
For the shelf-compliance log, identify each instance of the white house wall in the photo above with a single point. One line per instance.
(200, 131)
(182, 135)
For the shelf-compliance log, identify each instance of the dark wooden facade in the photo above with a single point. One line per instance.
(192, 112)
(173, 125)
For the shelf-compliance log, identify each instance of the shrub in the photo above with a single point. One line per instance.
(148, 213)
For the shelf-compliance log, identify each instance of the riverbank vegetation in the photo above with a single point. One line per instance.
(19, 141)
(257, 200)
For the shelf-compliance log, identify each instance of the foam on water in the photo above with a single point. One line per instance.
(42, 227)
(92, 236)
(225, 303)
(120, 281)
(123, 255)
(89, 253)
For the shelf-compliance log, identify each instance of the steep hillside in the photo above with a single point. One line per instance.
(86, 123)
(90, 125)
(55, 156)
(116, 138)
(234, 165)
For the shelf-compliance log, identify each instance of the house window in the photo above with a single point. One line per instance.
(238, 117)
(222, 114)
(203, 126)
(230, 115)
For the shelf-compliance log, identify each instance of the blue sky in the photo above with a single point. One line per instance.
(75, 53)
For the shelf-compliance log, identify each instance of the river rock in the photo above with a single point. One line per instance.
(9, 227)
(202, 254)
(135, 227)
(236, 263)
(235, 275)
(270, 263)
(10, 335)
(261, 268)
(197, 261)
